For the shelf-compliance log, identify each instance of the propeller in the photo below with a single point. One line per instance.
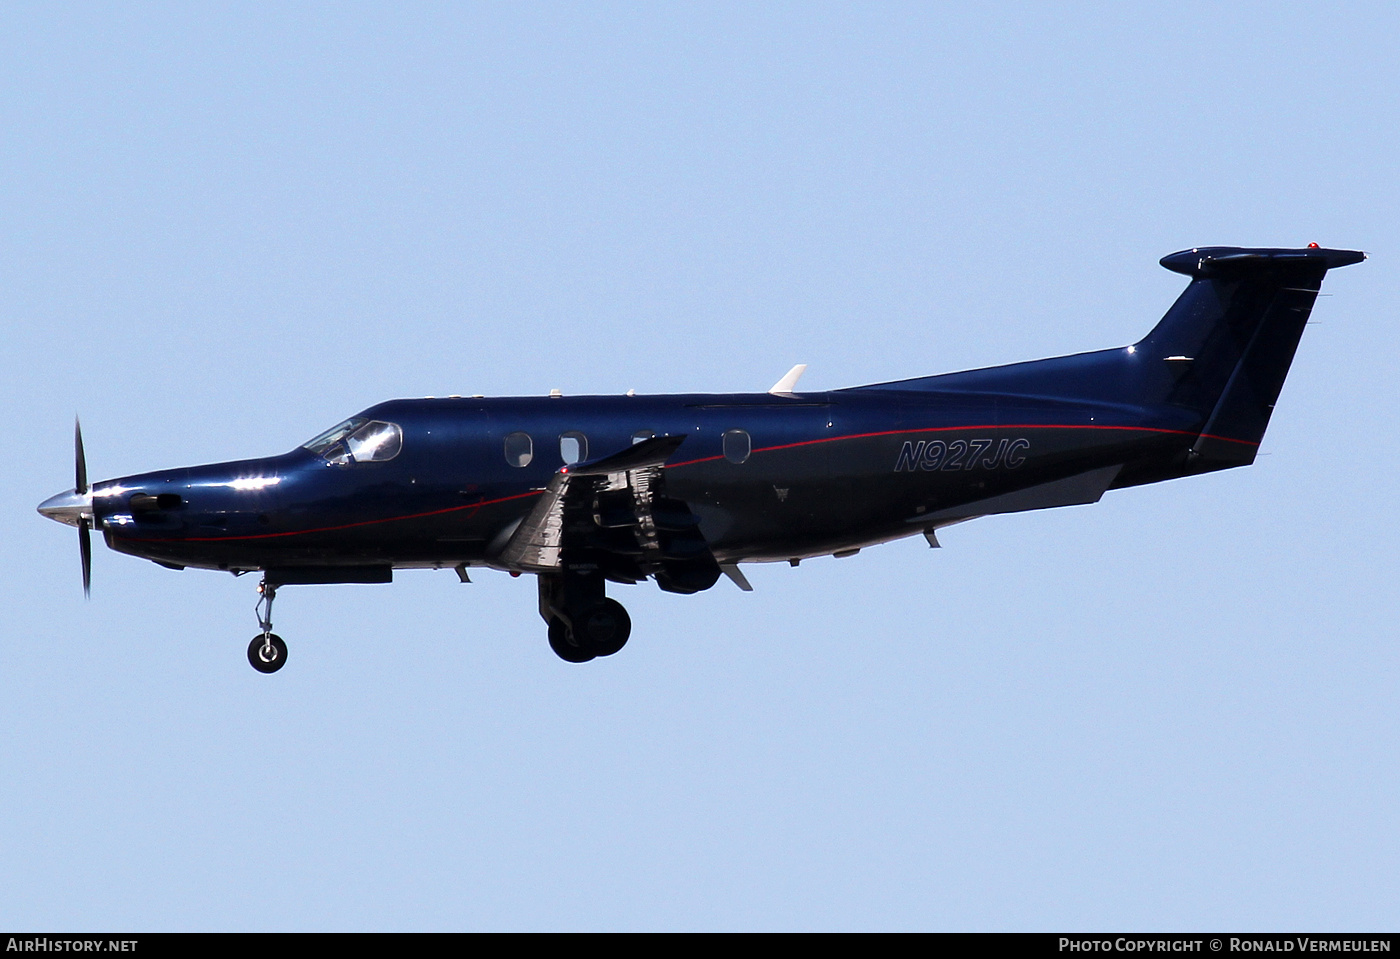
(80, 483)
(80, 486)
(75, 507)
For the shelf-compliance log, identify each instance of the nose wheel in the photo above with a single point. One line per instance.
(267, 652)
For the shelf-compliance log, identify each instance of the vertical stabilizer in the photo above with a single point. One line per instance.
(1225, 346)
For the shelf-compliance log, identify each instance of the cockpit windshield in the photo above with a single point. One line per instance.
(358, 440)
(334, 435)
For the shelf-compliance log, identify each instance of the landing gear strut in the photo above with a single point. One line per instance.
(267, 653)
(583, 622)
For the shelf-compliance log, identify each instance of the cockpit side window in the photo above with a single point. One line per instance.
(375, 442)
(358, 440)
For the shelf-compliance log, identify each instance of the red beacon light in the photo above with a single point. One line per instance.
(1312, 246)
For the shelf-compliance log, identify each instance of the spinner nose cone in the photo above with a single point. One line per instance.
(69, 507)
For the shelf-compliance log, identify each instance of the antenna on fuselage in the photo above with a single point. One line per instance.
(788, 381)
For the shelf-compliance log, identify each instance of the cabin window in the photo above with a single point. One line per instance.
(641, 436)
(573, 447)
(737, 446)
(520, 449)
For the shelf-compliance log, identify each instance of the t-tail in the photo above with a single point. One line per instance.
(1232, 333)
(1222, 351)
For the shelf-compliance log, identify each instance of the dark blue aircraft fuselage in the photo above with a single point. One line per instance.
(826, 472)
(587, 489)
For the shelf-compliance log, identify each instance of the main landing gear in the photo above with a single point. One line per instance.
(583, 623)
(266, 652)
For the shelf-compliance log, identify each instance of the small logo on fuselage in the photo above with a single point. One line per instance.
(984, 454)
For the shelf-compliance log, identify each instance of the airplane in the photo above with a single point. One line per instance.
(583, 491)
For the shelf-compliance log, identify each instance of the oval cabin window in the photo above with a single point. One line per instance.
(737, 446)
(520, 449)
(573, 448)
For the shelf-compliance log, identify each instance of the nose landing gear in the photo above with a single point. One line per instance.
(267, 652)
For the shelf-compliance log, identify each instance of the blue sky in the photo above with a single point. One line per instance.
(226, 228)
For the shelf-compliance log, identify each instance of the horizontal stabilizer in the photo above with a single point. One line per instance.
(1210, 262)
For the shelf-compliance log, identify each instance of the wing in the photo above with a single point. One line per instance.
(613, 513)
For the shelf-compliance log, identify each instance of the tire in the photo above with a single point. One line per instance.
(563, 648)
(606, 627)
(278, 654)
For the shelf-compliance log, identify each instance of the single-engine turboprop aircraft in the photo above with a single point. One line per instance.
(583, 491)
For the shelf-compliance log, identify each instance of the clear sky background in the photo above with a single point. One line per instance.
(226, 227)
